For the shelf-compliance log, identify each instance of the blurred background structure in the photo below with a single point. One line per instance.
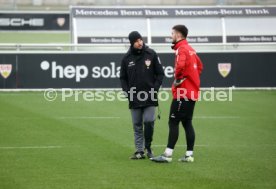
(82, 139)
(64, 4)
(238, 34)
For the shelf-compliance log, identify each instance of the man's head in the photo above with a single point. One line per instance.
(179, 32)
(136, 40)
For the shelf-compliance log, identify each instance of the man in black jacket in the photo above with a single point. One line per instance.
(141, 76)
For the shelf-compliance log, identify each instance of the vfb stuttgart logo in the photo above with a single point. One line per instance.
(224, 69)
(5, 70)
(60, 21)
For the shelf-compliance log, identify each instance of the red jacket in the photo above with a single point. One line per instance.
(187, 65)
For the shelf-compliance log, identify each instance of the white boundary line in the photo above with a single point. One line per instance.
(163, 145)
(114, 117)
(28, 147)
(95, 117)
(111, 117)
(119, 89)
(87, 117)
(215, 145)
(63, 117)
(217, 117)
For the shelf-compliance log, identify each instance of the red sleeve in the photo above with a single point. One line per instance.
(180, 64)
(199, 65)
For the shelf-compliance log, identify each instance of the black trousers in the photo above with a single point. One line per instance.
(181, 111)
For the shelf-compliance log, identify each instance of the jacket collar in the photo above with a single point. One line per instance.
(179, 43)
(137, 51)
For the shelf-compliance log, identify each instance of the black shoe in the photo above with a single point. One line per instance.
(150, 153)
(138, 155)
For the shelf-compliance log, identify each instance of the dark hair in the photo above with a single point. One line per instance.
(182, 29)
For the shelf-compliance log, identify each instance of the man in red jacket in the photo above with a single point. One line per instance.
(185, 90)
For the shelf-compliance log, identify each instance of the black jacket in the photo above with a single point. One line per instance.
(141, 69)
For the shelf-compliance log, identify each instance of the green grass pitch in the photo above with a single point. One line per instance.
(34, 37)
(70, 145)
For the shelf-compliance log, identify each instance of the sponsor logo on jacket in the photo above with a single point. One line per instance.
(148, 63)
(130, 64)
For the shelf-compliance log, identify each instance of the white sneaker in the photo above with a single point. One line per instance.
(162, 159)
(188, 159)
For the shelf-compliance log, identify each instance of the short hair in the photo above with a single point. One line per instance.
(182, 29)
